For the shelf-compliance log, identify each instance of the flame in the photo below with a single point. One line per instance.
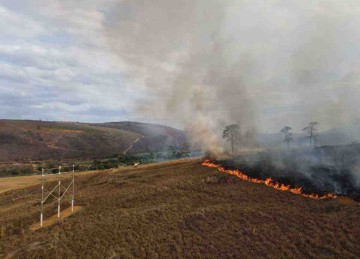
(269, 182)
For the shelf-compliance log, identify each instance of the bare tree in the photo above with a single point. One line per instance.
(311, 130)
(287, 135)
(232, 133)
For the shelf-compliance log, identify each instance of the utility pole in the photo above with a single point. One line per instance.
(73, 189)
(42, 197)
(59, 193)
(59, 199)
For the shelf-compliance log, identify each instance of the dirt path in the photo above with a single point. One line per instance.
(18, 182)
(131, 145)
(53, 219)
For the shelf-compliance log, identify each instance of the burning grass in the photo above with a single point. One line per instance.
(314, 173)
(269, 182)
(179, 209)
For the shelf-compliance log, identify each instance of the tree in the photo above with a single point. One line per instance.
(287, 135)
(232, 134)
(311, 130)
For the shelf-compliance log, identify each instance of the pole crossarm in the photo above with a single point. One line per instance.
(66, 190)
(51, 193)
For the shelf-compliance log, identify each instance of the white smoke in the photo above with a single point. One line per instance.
(261, 64)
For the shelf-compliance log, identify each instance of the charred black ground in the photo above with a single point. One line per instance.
(321, 170)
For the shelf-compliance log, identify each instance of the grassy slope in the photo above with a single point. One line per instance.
(180, 209)
(155, 137)
(38, 140)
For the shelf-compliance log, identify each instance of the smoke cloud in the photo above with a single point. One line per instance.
(177, 50)
(261, 64)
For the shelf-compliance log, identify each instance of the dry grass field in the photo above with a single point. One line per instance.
(54, 218)
(178, 209)
(18, 182)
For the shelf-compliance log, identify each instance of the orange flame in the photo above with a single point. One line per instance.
(269, 182)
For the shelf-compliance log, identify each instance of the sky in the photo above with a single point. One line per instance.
(55, 65)
(298, 61)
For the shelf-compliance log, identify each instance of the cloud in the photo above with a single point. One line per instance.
(14, 25)
(261, 63)
(54, 65)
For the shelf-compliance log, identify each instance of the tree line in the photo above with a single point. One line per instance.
(232, 134)
(311, 130)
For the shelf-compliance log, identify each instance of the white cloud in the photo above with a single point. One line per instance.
(57, 65)
(15, 25)
(55, 60)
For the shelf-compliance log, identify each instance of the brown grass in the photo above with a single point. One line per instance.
(175, 210)
(18, 182)
(42, 140)
(54, 218)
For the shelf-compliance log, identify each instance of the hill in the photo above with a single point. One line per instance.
(179, 209)
(155, 137)
(41, 140)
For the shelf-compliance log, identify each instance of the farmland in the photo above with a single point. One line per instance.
(178, 209)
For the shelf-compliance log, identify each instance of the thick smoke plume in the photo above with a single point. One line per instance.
(205, 64)
(178, 51)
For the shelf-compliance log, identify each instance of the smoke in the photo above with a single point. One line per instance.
(178, 51)
(328, 169)
(261, 64)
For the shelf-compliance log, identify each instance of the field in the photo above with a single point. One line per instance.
(18, 182)
(179, 209)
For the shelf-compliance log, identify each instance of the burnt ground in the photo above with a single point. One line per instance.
(321, 170)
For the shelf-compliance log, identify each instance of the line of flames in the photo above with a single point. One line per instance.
(269, 182)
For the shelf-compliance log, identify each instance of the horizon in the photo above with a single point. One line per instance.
(152, 123)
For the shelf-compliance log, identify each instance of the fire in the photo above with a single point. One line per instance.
(269, 182)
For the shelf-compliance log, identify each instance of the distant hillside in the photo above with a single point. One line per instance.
(155, 137)
(38, 140)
